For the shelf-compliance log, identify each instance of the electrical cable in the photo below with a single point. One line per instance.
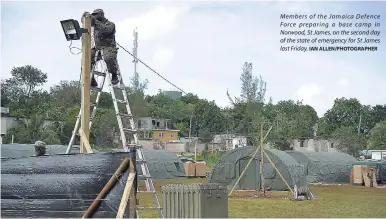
(80, 51)
(152, 69)
(73, 47)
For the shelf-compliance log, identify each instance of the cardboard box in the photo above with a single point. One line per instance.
(190, 169)
(200, 169)
(357, 175)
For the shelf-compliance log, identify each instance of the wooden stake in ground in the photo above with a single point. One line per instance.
(249, 162)
(86, 69)
(278, 172)
(262, 160)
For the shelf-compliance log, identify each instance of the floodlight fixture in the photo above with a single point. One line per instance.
(72, 29)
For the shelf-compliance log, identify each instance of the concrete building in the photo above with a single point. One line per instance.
(313, 145)
(175, 95)
(165, 135)
(229, 141)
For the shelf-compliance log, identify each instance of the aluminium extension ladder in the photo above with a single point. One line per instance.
(129, 129)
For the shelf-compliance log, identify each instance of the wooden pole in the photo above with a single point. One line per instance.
(278, 172)
(261, 160)
(86, 69)
(113, 180)
(127, 192)
(249, 162)
(133, 195)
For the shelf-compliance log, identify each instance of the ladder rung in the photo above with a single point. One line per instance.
(96, 89)
(99, 73)
(141, 161)
(129, 130)
(147, 208)
(121, 101)
(119, 86)
(152, 192)
(143, 177)
(133, 145)
(126, 115)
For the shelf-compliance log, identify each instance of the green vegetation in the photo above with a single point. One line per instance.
(209, 158)
(333, 201)
(23, 94)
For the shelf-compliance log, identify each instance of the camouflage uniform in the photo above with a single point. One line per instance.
(104, 38)
(40, 148)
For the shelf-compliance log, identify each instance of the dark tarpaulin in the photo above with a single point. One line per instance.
(60, 185)
(162, 164)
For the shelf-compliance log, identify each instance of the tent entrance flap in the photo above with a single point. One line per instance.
(250, 180)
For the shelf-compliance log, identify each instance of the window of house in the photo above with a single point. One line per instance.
(332, 145)
(139, 124)
(153, 122)
(157, 124)
(171, 135)
(161, 134)
(301, 143)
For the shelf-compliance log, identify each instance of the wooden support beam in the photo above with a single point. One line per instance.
(110, 184)
(262, 160)
(86, 144)
(249, 162)
(278, 172)
(86, 69)
(127, 192)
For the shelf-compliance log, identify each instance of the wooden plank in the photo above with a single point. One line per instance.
(125, 196)
(86, 69)
(111, 183)
(86, 143)
(127, 192)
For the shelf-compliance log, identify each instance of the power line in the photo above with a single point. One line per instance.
(152, 69)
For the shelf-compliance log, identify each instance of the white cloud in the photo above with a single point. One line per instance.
(163, 55)
(152, 24)
(307, 92)
(343, 82)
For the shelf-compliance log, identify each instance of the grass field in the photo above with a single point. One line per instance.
(333, 201)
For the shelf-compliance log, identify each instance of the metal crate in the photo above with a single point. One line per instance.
(195, 201)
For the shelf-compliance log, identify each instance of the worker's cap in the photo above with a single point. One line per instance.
(98, 11)
(40, 144)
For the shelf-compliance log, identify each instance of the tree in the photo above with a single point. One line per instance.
(249, 105)
(66, 93)
(378, 137)
(348, 140)
(208, 116)
(190, 98)
(344, 113)
(136, 95)
(104, 126)
(25, 79)
(20, 91)
(34, 129)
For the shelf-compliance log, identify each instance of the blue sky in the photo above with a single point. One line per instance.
(201, 47)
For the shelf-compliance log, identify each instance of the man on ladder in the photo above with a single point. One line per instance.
(105, 50)
(104, 38)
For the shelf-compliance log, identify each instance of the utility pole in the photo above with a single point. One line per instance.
(190, 132)
(86, 69)
(359, 125)
(135, 50)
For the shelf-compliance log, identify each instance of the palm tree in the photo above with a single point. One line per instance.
(35, 129)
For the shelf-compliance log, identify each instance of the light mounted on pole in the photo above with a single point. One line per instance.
(72, 29)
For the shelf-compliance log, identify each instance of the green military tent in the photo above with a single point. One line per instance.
(326, 167)
(229, 167)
